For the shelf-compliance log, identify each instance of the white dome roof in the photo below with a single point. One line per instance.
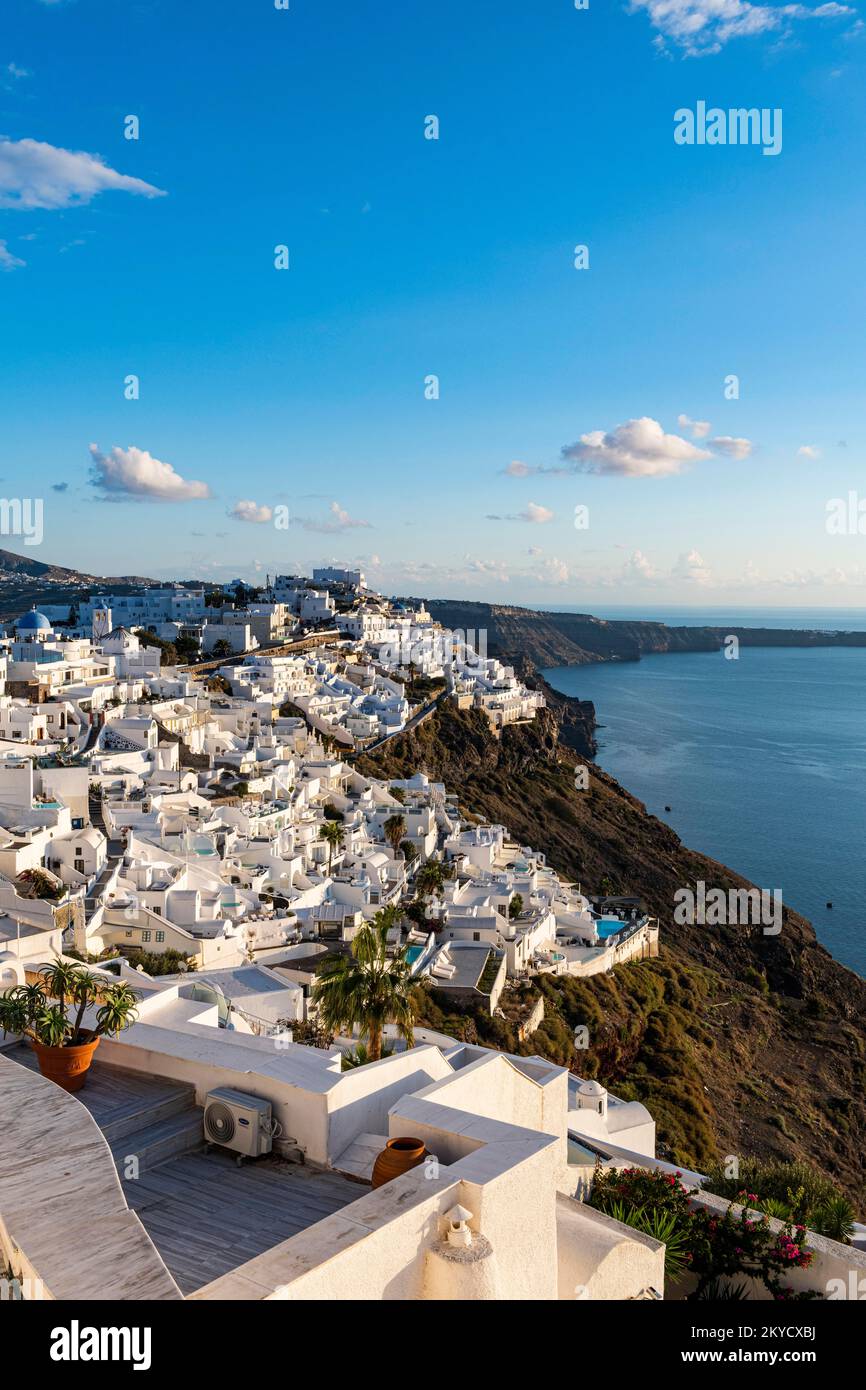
(590, 1088)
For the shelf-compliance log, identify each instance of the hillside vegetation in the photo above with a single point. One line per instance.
(739, 1043)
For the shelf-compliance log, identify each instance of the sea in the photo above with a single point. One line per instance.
(762, 759)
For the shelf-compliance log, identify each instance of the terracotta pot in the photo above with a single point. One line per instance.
(397, 1157)
(66, 1066)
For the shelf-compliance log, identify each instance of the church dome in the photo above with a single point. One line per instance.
(34, 621)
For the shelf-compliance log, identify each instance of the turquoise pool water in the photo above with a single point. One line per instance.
(412, 953)
(606, 926)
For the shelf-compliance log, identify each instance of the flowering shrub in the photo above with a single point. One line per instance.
(639, 1187)
(741, 1242)
(712, 1246)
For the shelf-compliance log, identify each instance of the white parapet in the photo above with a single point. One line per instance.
(456, 1273)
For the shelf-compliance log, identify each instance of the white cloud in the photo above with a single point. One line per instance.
(699, 429)
(637, 449)
(533, 513)
(7, 260)
(247, 510)
(555, 571)
(637, 566)
(340, 520)
(700, 27)
(808, 451)
(34, 174)
(490, 569)
(691, 569)
(730, 447)
(14, 71)
(135, 473)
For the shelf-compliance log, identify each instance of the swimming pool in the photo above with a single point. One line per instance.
(412, 954)
(608, 926)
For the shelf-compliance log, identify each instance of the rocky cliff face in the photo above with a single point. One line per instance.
(571, 639)
(740, 1043)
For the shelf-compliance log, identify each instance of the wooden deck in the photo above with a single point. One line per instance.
(204, 1214)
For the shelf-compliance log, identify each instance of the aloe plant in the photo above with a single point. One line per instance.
(43, 1010)
(663, 1226)
(835, 1219)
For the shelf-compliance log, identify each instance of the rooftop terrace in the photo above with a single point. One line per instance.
(204, 1214)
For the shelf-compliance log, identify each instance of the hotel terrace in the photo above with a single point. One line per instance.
(224, 1144)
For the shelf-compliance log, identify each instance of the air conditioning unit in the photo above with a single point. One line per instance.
(238, 1121)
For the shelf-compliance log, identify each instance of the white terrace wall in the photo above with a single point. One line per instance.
(360, 1103)
(500, 1089)
(599, 1258)
(208, 1063)
(515, 1208)
(317, 1107)
(836, 1270)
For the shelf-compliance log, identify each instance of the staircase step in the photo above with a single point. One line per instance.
(155, 1143)
(357, 1160)
(151, 1111)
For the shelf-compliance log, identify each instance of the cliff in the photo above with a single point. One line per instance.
(740, 1043)
(571, 639)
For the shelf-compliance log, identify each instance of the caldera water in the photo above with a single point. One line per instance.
(761, 759)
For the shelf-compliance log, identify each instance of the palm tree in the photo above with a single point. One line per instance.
(395, 829)
(430, 878)
(360, 1056)
(368, 988)
(332, 833)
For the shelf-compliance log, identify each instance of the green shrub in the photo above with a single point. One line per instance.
(715, 1247)
(789, 1191)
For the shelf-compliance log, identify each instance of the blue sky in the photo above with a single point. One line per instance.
(305, 388)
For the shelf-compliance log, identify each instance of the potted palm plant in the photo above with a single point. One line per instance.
(50, 1012)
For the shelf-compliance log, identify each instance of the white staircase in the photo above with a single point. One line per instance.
(357, 1160)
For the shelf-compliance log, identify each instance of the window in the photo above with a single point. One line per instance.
(157, 912)
(160, 936)
(476, 936)
(145, 936)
